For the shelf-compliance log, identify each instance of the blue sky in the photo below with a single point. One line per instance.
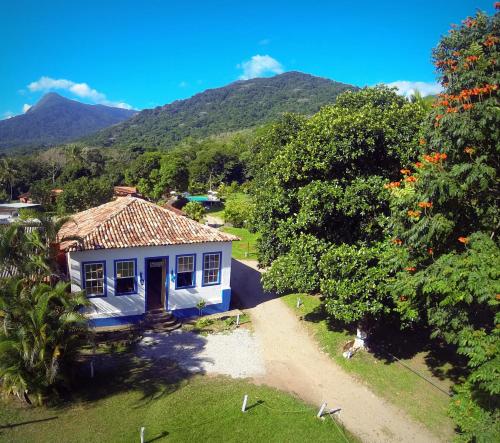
(148, 53)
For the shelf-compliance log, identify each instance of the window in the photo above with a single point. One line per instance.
(211, 268)
(125, 277)
(185, 270)
(94, 274)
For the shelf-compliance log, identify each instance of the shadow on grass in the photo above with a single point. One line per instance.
(29, 422)
(143, 368)
(158, 437)
(254, 405)
(387, 343)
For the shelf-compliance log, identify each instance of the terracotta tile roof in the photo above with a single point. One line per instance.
(132, 222)
(121, 191)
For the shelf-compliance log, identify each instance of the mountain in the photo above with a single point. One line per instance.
(239, 105)
(56, 119)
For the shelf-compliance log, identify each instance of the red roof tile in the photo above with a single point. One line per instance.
(122, 191)
(129, 222)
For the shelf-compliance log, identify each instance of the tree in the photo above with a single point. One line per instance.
(217, 162)
(41, 192)
(41, 329)
(84, 193)
(142, 167)
(424, 102)
(238, 210)
(445, 215)
(322, 178)
(194, 210)
(8, 173)
(173, 175)
(27, 248)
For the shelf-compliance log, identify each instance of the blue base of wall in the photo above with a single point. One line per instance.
(114, 321)
(207, 310)
(179, 313)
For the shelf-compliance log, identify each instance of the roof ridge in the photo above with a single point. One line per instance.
(135, 222)
(106, 220)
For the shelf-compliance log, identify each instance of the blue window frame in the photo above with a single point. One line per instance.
(185, 271)
(93, 276)
(126, 276)
(212, 262)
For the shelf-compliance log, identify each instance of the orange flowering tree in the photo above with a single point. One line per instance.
(445, 215)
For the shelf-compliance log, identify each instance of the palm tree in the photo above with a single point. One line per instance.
(424, 102)
(27, 248)
(7, 173)
(41, 330)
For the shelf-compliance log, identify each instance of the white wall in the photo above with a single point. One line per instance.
(111, 305)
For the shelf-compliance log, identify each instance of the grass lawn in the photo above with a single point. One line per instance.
(246, 248)
(126, 396)
(389, 379)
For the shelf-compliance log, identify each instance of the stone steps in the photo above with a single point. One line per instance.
(160, 320)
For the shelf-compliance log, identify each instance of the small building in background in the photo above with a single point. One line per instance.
(26, 197)
(9, 212)
(126, 191)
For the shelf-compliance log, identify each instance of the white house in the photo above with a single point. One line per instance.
(131, 256)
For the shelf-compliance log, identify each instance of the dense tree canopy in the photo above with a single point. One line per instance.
(322, 189)
(445, 215)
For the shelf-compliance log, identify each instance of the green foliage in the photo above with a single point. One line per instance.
(26, 248)
(296, 271)
(234, 107)
(323, 176)
(144, 172)
(355, 281)
(238, 210)
(41, 192)
(446, 217)
(4, 197)
(41, 330)
(84, 193)
(478, 423)
(173, 175)
(194, 210)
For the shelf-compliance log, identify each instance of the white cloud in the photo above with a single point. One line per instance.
(26, 107)
(183, 84)
(259, 65)
(408, 88)
(82, 90)
(7, 114)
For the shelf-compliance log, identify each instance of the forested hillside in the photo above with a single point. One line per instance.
(56, 119)
(239, 105)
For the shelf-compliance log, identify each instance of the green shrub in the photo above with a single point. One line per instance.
(194, 210)
(238, 210)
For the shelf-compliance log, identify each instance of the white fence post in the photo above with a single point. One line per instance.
(244, 406)
(238, 320)
(142, 434)
(321, 410)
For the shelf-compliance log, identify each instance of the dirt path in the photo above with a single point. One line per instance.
(294, 363)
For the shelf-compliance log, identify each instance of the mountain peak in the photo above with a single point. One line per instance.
(56, 119)
(239, 105)
(49, 99)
